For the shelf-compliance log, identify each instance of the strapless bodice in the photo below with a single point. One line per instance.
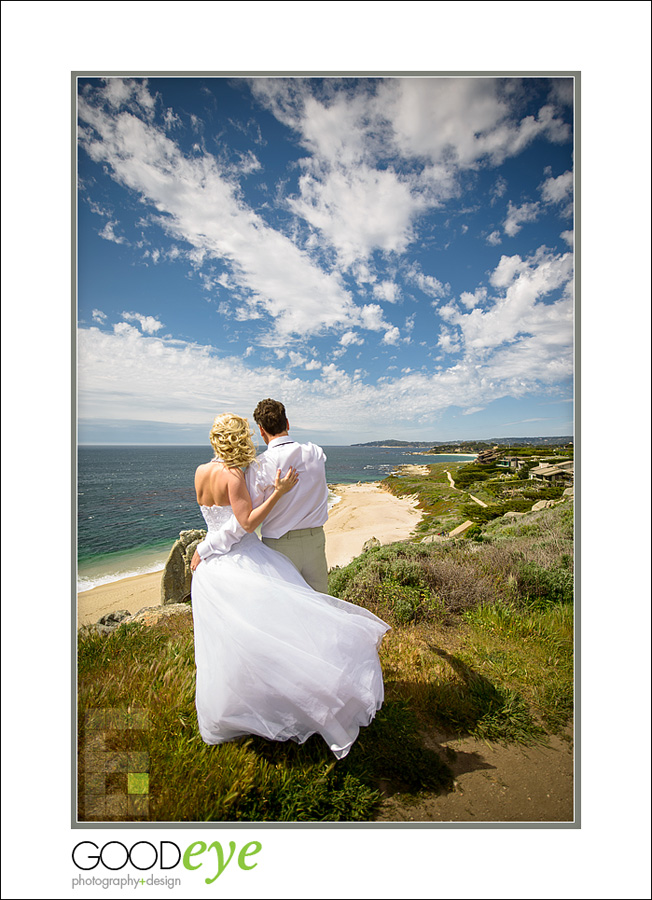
(216, 517)
(224, 531)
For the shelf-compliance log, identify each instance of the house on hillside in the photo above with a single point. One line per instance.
(513, 463)
(553, 473)
(486, 457)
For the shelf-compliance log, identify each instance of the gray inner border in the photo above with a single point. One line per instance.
(75, 75)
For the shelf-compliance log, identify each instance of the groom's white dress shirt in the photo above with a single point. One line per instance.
(306, 505)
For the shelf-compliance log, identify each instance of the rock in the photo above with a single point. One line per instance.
(114, 618)
(543, 504)
(177, 576)
(97, 629)
(150, 615)
(371, 544)
(513, 514)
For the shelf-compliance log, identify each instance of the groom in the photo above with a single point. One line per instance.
(295, 526)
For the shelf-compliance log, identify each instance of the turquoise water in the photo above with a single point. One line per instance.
(134, 501)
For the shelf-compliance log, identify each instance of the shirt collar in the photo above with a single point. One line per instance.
(277, 442)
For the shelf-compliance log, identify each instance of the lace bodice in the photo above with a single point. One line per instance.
(224, 531)
(216, 517)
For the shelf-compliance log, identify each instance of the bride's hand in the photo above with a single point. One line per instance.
(285, 484)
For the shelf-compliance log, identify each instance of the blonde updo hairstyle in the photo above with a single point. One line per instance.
(231, 439)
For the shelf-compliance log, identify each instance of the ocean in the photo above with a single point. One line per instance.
(133, 501)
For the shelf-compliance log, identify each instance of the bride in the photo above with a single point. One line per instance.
(274, 658)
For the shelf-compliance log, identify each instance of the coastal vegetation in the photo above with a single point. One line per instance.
(481, 645)
(452, 493)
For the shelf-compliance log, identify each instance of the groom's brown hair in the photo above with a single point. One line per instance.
(270, 415)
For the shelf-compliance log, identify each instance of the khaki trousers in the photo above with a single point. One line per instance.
(306, 548)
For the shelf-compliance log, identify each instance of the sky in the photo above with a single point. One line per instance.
(391, 257)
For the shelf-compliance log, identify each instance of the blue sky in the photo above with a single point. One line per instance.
(390, 257)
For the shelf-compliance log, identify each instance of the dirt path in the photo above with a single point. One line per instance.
(495, 784)
(452, 484)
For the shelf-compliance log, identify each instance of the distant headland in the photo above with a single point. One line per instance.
(473, 446)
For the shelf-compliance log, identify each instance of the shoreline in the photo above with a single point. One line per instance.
(361, 511)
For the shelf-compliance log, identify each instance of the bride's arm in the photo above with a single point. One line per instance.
(240, 499)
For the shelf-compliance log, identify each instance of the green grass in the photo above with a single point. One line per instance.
(509, 600)
(152, 669)
(481, 645)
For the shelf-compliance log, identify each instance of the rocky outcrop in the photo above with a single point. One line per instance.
(371, 544)
(177, 576)
(148, 615)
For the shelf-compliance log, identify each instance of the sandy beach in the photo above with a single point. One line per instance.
(363, 511)
(366, 511)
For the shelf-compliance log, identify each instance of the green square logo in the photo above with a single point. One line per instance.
(137, 783)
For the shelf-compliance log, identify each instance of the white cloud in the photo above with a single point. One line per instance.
(126, 375)
(498, 190)
(148, 324)
(97, 209)
(460, 120)
(569, 237)
(494, 238)
(508, 344)
(519, 320)
(559, 191)
(386, 290)
(108, 233)
(349, 338)
(505, 271)
(349, 189)
(470, 300)
(391, 336)
(430, 285)
(99, 316)
(126, 92)
(517, 216)
(249, 163)
(197, 205)
(171, 119)
(296, 359)
(372, 318)
(448, 341)
(358, 210)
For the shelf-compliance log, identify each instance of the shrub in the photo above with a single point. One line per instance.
(545, 586)
(414, 582)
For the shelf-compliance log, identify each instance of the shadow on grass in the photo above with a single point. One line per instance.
(475, 706)
(388, 756)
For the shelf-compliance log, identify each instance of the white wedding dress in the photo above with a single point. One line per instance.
(275, 658)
